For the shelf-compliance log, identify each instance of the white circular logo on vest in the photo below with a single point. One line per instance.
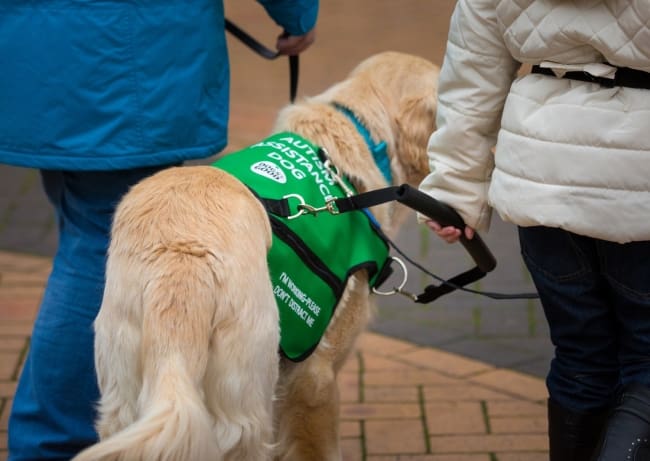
(269, 170)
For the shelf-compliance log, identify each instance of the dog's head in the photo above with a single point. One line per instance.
(394, 96)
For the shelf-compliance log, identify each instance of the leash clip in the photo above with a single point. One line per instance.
(330, 207)
(305, 208)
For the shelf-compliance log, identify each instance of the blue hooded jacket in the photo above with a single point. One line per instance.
(117, 84)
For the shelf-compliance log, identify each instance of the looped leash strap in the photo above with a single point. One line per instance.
(266, 53)
(433, 292)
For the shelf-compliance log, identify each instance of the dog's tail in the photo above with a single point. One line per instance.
(173, 422)
(176, 428)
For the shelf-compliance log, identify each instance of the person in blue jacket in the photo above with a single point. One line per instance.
(98, 95)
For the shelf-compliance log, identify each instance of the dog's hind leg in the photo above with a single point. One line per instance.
(308, 394)
(307, 412)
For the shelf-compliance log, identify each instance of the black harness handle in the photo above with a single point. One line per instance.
(445, 216)
(429, 206)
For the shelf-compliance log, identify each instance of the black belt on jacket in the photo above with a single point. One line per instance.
(624, 76)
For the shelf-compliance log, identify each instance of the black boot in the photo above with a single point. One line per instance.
(573, 436)
(627, 434)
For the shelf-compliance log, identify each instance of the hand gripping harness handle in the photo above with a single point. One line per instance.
(428, 206)
(445, 215)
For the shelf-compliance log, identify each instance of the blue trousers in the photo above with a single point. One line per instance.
(596, 298)
(53, 412)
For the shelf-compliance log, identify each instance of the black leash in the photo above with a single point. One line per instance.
(266, 53)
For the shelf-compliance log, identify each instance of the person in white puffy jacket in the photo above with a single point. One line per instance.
(563, 152)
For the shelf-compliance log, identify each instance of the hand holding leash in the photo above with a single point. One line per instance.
(292, 45)
(445, 216)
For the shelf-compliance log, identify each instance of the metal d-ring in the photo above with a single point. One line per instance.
(301, 211)
(399, 288)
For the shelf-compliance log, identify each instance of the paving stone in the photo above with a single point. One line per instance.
(406, 378)
(374, 362)
(541, 456)
(462, 392)
(383, 344)
(519, 425)
(382, 410)
(489, 443)
(515, 408)
(454, 457)
(395, 436)
(349, 429)
(391, 394)
(453, 417)
(8, 363)
(4, 415)
(449, 364)
(349, 387)
(21, 310)
(352, 449)
(16, 328)
(11, 344)
(516, 383)
(7, 387)
(490, 351)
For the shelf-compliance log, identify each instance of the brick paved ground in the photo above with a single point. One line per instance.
(400, 401)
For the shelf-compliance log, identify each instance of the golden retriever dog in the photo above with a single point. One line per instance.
(187, 336)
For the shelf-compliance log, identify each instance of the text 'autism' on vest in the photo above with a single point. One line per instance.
(301, 161)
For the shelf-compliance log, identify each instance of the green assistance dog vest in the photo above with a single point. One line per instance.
(312, 254)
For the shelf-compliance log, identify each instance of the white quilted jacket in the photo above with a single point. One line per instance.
(568, 154)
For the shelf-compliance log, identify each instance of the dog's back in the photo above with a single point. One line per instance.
(183, 289)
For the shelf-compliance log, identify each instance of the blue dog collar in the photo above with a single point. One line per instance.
(379, 150)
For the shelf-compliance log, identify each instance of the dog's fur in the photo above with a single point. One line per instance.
(187, 335)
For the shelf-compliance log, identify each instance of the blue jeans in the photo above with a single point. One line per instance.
(53, 412)
(596, 298)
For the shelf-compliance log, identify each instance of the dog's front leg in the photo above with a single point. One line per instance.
(307, 411)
